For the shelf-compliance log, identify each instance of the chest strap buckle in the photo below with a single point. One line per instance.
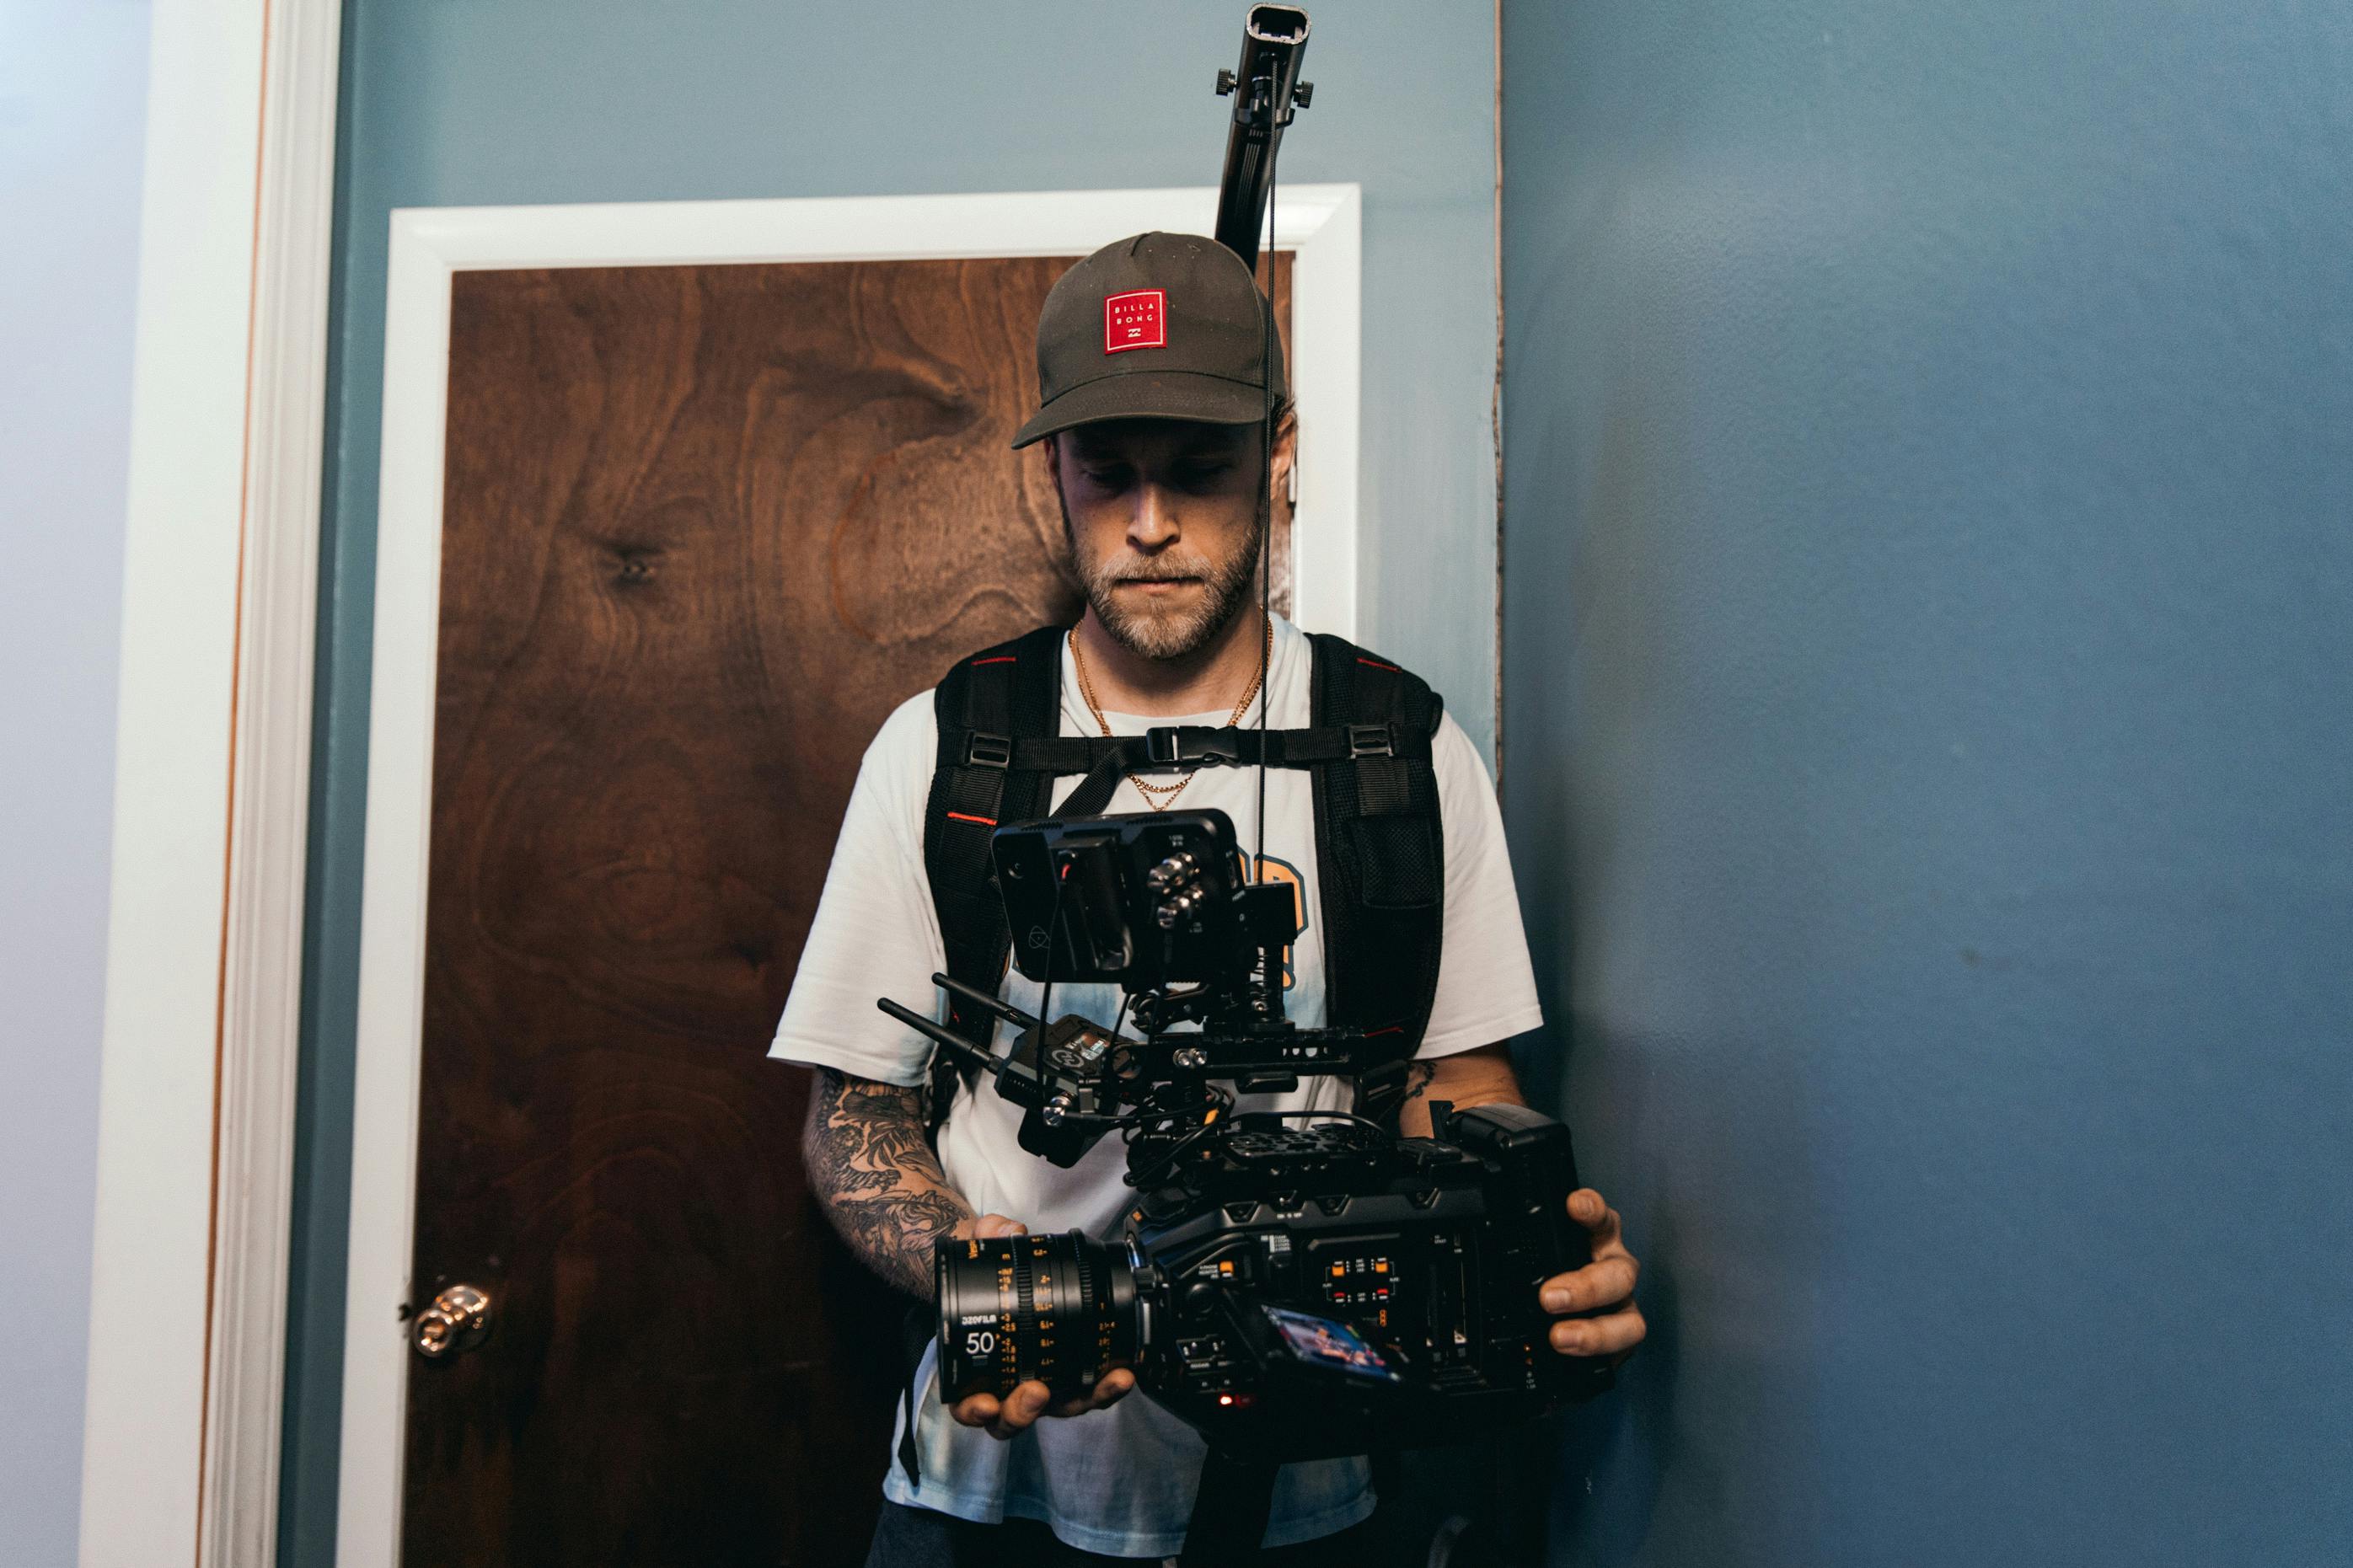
(1177, 745)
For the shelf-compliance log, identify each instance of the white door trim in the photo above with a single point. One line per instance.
(213, 749)
(1319, 222)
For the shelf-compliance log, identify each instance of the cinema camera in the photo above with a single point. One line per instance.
(1293, 1284)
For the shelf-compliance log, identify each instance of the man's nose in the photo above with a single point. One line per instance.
(1152, 524)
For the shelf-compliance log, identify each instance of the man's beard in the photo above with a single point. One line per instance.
(1173, 631)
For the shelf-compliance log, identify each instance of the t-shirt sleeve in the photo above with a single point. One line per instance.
(1486, 988)
(876, 932)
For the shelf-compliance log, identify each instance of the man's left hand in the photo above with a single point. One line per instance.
(1604, 1287)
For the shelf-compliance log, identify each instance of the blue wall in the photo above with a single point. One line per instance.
(1928, 477)
(498, 101)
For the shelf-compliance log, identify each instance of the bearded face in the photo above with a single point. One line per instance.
(1165, 526)
(1170, 605)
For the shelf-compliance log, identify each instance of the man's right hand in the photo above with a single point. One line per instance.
(1020, 1410)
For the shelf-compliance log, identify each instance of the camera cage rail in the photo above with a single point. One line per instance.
(1081, 1080)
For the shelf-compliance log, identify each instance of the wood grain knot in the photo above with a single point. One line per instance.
(637, 567)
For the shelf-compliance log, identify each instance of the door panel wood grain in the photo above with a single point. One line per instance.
(705, 526)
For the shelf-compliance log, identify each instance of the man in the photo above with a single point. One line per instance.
(1156, 358)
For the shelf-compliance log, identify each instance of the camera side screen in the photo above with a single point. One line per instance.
(1330, 1344)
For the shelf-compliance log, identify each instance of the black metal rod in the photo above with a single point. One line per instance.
(1265, 87)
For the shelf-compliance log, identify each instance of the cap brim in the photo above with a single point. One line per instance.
(1148, 395)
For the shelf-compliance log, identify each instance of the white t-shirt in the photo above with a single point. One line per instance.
(1117, 1482)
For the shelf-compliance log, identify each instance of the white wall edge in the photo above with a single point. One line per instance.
(1320, 223)
(1326, 332)
(204, 974)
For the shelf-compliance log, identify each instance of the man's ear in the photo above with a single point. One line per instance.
(1286, 450)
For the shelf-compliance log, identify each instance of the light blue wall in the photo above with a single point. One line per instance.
(1928, 668)
(501, 101)
(73, 116)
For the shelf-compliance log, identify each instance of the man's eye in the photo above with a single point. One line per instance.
(1203, 473)
(1110, 479)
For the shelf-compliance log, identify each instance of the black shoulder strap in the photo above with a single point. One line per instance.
(1008, 692)
(1380, 853)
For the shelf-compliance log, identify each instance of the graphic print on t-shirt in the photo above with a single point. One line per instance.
(1273, 868)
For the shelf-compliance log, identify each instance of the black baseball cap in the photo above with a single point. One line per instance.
(1167, 326)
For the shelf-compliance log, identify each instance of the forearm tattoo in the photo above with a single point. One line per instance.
(879, 1182)
(1412, 1116)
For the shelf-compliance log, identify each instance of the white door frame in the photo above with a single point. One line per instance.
(212, 767)
(1319, 222)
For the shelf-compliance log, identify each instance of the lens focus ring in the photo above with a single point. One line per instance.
(1060, 1308)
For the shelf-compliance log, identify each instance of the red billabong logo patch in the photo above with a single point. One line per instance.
(1137, 321)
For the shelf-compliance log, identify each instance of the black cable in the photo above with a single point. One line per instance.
(1266, 497)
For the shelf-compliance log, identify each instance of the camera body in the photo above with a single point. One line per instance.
(1382, 1291)
(1292, 1290)
(1300, 1292)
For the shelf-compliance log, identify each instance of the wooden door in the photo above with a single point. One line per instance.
(705, 526)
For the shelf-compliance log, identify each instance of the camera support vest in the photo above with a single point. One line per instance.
(1379, 848)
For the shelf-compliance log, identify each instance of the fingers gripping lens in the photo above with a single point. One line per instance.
(1057, 1309)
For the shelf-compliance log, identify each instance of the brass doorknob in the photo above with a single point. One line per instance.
(458, 1320)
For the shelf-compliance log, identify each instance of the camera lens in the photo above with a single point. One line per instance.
(1059, 1308)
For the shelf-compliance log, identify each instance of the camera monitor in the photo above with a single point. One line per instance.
(1144, 902)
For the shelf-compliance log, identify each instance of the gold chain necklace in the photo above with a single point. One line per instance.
(1160, 798)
